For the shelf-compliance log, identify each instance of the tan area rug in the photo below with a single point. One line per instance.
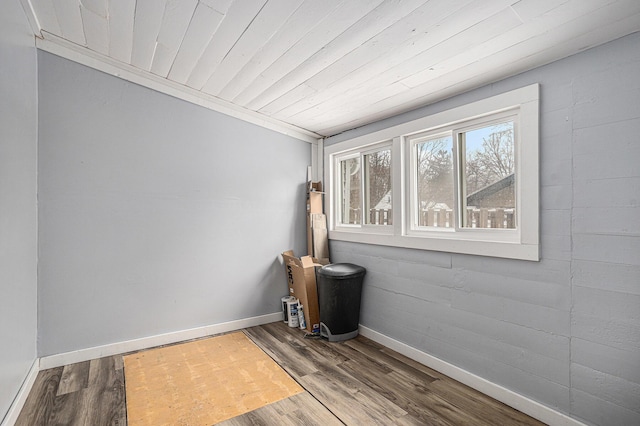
(202, 382)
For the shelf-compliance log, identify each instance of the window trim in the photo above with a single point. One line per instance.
(454, 131)
(412, 181)
(521, 244)
(375, 149)
(508, 115)
(337, 199)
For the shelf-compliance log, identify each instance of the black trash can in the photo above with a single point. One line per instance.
(339, 292)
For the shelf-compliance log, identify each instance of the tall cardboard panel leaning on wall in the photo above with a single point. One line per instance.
(317, 239)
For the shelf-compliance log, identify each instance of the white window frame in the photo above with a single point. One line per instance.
(359, 153)
(520, 243)
(482, 234)
(410, 152)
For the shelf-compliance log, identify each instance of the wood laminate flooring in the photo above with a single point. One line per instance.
(356, 382)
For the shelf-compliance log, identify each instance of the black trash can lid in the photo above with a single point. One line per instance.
(342, 270)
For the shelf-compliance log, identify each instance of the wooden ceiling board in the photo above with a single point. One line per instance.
(400, 38)
(46, 14)
(96, 30)
(523, 38)
(292, 97)
(380, 18)
(375, 75)
(404, 37)
(146, 27)
(530, 9)
(175, 22)
(303, 20)
(218, 5)
(99, 7)
(337, 21)
(70, 20)
(234, 24)
(121, 18)
(204, 25)
(267, 23)
(413, 55)
(496, 54)
(479, 73)
(323, 66)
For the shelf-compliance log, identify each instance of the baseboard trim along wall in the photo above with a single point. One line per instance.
(528, 406)
(14, 410)
(81, 355)
(506, 396)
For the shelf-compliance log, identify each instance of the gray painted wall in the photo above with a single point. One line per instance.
(564, 331)
(18, 208)
(155, 215)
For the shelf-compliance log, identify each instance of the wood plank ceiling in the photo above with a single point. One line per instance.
(327, 66)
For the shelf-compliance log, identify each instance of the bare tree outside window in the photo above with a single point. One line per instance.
(489, 172)
(378, 187)
(434, 158)
(486, 163)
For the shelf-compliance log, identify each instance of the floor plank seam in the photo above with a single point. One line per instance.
(296, 380)
(124, 397)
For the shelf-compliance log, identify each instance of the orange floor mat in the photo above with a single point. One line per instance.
(202, 382)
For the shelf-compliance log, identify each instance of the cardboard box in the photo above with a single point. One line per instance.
(301, 277)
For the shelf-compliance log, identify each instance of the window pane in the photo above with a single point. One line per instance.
(489, 190)
(434, 182)
(350, 187)
(378, 187)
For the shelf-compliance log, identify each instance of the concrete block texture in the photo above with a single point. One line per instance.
(564, 331)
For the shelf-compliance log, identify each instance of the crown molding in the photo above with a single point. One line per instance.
(58, 46)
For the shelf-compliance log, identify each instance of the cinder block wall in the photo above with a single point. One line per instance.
(564, 331)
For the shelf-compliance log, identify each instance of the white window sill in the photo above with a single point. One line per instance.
(504, 249)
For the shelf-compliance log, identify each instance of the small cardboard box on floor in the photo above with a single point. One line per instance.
(301, 276)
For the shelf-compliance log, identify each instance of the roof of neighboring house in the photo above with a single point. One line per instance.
(384, 203)
(489, 190)
(472, 199)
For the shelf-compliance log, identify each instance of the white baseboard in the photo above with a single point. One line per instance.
(14, 410)
(504, 395)
(81, 355)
